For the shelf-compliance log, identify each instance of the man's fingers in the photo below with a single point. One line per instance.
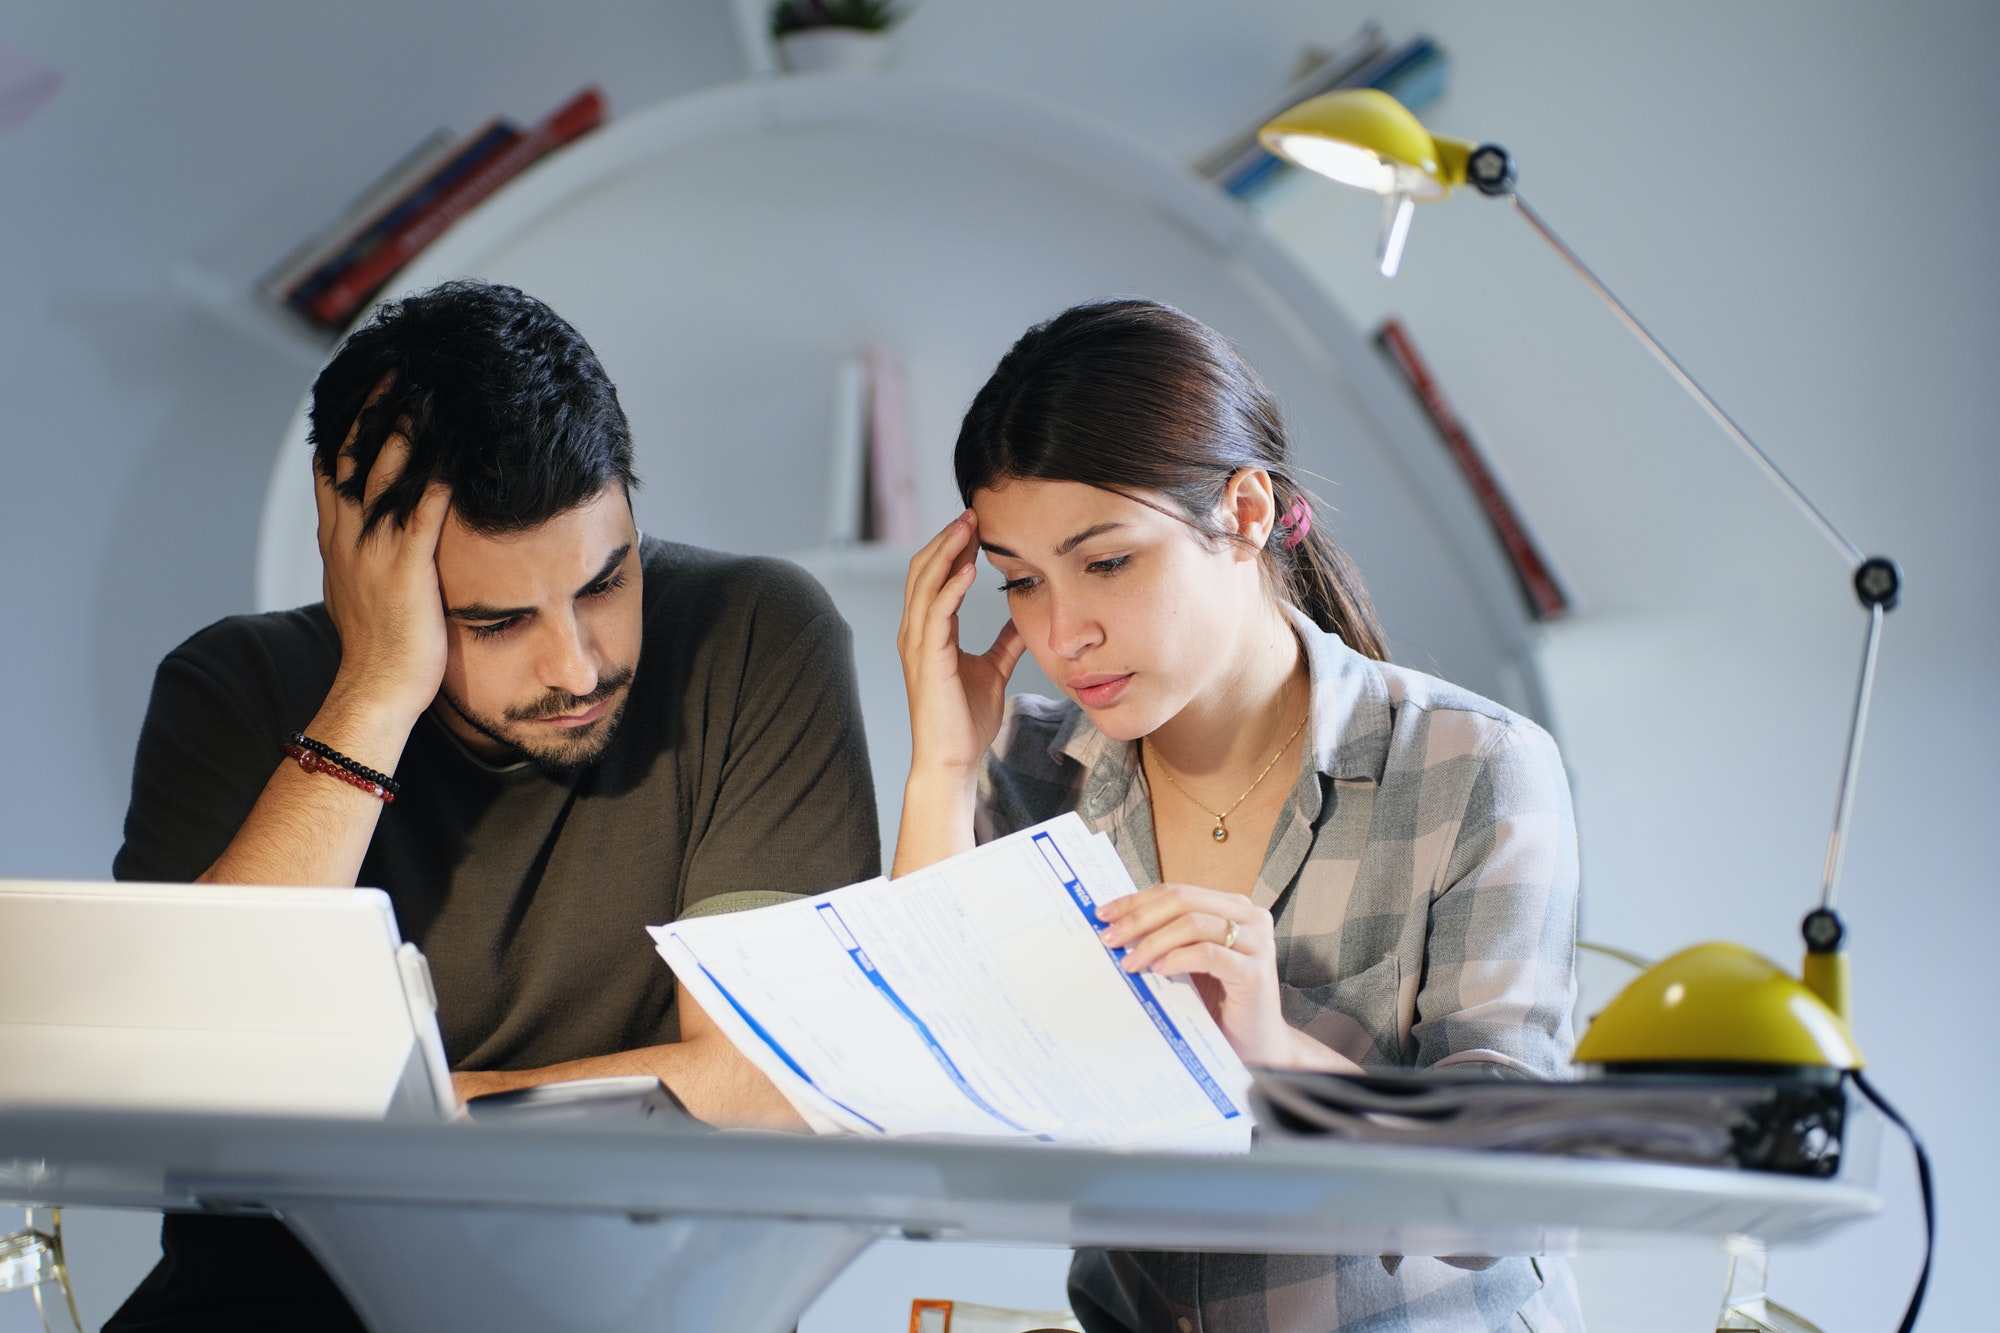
(343, 458)
(389, 465)
(427, 522)
(326, 507)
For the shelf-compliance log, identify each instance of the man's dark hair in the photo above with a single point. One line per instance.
(498, 396)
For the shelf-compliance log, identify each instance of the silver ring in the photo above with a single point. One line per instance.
(1229, 940)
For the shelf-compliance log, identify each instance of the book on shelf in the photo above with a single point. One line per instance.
(466, 156)
(1413, 72)
(328, 278)
(892, 478)
(847, 457)
(872, 485)
(383, 193)
(1539, 585)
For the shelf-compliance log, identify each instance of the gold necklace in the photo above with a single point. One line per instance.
(1221, 833)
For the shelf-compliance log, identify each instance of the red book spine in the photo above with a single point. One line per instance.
(345, 294)
(1538, 583)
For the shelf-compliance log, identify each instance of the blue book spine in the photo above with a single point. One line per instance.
(494, 139)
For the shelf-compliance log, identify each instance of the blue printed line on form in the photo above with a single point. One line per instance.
(772, 1042)
(831, 920)
(1147, 1000)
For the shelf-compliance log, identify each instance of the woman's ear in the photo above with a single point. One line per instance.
(1249, 506)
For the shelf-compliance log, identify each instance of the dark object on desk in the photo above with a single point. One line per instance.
(622, 1101)
(1756, 1119)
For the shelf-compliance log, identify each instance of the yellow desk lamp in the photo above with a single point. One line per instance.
(1715, 1008)
(1714, 1004)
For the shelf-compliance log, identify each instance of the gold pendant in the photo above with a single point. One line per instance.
(1221, 834)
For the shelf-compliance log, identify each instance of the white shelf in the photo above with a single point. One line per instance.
(232, 307)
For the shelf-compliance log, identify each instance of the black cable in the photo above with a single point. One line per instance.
(1930, 1199)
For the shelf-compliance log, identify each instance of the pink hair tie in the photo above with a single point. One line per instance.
(1299, 518)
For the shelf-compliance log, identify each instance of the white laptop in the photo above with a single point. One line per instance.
(215, 998)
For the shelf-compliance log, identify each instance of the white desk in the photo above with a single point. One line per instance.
(514, 1227)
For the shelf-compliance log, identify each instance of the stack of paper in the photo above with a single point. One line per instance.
(1760, 1123)
(973, 997)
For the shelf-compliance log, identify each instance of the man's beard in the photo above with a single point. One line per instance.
(564, 752)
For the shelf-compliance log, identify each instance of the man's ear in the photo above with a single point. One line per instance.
(1249, 506)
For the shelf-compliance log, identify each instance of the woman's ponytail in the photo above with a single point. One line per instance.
(1317, 575)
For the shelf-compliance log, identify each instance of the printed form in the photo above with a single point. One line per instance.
(972, 997)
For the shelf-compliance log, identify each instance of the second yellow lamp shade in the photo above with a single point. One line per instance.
(1721, 1004)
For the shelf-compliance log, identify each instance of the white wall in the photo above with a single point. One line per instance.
(1848, 324)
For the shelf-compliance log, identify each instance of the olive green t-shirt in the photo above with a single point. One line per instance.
(738, 773)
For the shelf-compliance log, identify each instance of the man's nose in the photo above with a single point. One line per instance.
(565, 663)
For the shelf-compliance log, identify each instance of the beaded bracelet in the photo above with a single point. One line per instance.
(316, 757)
(339, 760)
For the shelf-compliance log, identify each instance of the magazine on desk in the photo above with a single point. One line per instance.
(973, 997)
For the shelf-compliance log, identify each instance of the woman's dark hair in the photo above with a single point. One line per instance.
(1138, 398)
(498, 396)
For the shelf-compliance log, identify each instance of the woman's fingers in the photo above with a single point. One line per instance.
(930, 566)
(933, 594)
(1195, 930)
(941, 621)
(1208, 958)
(1152, 923)
(1136, 913)
(1005, 654)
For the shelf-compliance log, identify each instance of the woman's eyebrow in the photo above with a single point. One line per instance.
(1084, 536)
(1068, 544)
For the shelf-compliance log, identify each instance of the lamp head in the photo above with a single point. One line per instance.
(1365, 138)
(1718, 1004)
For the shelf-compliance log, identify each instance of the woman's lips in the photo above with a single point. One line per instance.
(1100, 689)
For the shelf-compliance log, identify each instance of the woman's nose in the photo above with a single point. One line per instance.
(1072, 630)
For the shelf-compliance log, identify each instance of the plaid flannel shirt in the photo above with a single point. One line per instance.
(1423, 881)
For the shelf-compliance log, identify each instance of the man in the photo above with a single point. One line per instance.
(583, 732)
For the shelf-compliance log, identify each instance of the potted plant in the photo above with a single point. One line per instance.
(833, 34)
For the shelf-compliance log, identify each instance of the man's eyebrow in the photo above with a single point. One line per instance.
(481, 611)
(609, 568)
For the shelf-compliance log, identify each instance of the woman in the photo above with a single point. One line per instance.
(1357, 864)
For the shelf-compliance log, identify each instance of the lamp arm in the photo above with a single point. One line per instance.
(1877, 583)
(1689, 383)
(1843, 806)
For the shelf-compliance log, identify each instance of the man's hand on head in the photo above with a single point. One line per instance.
(381, 589)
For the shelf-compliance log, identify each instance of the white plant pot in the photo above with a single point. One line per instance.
(815, 50)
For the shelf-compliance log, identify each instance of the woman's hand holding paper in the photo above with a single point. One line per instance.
(1227, 944)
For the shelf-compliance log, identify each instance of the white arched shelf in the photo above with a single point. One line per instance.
(727, 252)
